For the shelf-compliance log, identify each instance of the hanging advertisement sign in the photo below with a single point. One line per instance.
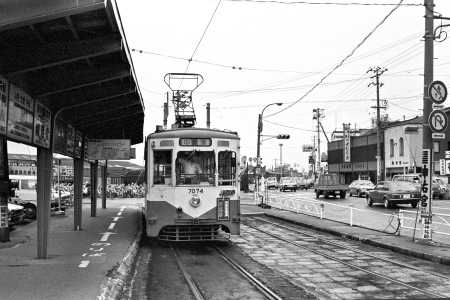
(78, 144)
(3, 104)
(70, 141)
(42, 124)
(59, 137)
(99, 149)
(347, 149)
(20, 115)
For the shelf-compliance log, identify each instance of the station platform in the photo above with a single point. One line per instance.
(84, 264)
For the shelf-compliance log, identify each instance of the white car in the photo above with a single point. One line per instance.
(271, 182)
(287, 183)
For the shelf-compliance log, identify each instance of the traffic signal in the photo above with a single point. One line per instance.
(259, 161)
(283, 136)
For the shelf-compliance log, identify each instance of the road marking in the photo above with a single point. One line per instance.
(112, 226)
(117, 219)
(105, 236)
(119, 213)
(84, 264)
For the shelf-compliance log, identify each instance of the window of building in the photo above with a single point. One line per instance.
(401, 150)
(391, 144)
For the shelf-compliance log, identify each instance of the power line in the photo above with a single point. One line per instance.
(342, 62)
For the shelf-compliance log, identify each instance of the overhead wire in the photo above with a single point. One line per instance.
(345, 58)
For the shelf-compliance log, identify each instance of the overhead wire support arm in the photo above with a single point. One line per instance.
(323, 130)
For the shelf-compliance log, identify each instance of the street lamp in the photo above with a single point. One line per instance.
(260, 116)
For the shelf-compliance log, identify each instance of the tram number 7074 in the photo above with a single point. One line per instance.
(195, 191)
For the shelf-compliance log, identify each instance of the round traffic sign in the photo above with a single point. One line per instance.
(438, 121)
(437, 92)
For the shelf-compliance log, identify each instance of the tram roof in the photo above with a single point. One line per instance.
(73, 57)
(194, 133)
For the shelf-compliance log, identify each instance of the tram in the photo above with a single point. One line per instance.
(192, 175)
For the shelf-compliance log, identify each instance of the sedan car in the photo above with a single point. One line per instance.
(287, 183)
(15, 214)
(390, 193)
(301, 183)
(360, 187)
(271, 182)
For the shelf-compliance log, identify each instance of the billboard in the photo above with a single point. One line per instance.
(99, 149)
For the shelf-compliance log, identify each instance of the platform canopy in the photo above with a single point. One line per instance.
(72, 56)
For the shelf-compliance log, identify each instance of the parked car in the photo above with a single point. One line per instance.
(287, 183)
(271, 182)
(440, 188)
(301, 183)
(391, 193)
(16, 214)
(360, 187)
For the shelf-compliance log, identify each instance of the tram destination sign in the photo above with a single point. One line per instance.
(99, 149)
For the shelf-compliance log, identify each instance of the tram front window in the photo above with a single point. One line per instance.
(162, 171)
(195, 168)
(227, 167)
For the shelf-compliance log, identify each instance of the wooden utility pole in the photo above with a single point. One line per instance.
(427, 141)
(378, 71)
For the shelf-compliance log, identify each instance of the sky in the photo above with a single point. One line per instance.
(305, 54)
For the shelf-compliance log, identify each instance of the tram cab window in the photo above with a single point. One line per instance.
(195, 167)
(162, 170)
(227, 167)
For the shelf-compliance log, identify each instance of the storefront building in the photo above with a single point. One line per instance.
(363, 162)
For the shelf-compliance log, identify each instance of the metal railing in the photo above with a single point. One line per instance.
(348, 214)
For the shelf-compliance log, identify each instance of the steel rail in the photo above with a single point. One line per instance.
(191, 283)
(258, 284)
(348, 264)
(352, 249)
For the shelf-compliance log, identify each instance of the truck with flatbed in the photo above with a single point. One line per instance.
(329, 185)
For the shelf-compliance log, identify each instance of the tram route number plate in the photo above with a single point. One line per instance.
(223, 208)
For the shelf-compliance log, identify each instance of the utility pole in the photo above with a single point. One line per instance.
(378, 71)
(318, 113)
(427, 141)
(281, 159)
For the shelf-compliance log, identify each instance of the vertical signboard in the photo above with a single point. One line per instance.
(3, 104)
(59, 137)
(20, 115)
(42, 124)
(70, 138)
(347, 149)
(78, 144)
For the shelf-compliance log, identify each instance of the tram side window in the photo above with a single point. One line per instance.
(195, 168)
(227, 168)
(162, 167)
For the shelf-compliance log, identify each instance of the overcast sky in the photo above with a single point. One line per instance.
(305, 54)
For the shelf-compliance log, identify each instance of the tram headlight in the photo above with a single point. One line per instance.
(195, 200)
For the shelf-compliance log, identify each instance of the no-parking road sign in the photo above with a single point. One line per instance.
(438, 121)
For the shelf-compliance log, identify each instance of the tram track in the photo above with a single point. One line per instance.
(194, 283)
(321, 247)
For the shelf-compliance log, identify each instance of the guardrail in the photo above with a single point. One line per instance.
(387, 223)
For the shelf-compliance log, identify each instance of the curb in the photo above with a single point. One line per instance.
(116, 280)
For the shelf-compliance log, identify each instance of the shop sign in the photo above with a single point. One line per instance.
(347, 143)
